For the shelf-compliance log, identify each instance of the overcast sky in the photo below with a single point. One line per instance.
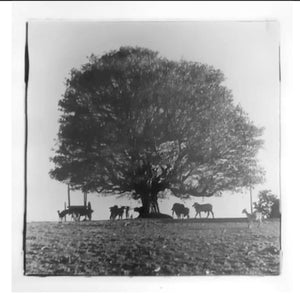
(246, 52)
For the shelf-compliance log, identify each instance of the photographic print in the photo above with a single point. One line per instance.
(152, 148)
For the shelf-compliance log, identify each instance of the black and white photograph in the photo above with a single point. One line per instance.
(158, 147)
(152, 148)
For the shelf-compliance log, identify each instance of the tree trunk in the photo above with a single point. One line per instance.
(150, 204)
(145, 204)
(154, 204)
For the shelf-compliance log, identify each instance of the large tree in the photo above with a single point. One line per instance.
(135, 122)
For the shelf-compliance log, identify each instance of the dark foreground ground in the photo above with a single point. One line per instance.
(153, 247)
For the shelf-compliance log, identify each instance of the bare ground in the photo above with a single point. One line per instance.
(152, 247)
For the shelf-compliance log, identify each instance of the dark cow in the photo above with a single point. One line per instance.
(80, 211)
(186, 212)
(115, 212)
(77, 212)
(120, 212)
(207, 208)
(180, 210)
(141, 211)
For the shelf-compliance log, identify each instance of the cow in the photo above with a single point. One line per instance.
(186, 212)
(120, 212)
(80, 211)
(115, 212)
(180, 210)
(207, 208)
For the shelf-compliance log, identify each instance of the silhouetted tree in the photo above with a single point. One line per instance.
(135, 122)
(268, 204)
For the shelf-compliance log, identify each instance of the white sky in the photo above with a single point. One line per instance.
(246, 52)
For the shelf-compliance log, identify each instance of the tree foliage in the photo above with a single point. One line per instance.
(135, 122)
(268, 204)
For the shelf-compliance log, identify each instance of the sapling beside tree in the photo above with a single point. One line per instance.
(132, 121)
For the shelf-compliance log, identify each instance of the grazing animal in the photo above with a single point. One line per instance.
(113, 212)
(76, 212)
(80, 211)
(186, 213)
(62, 214)
(140, 210)
(207, 208)
(256, 216)
(180, 210)
(120, 212)
(177, 209)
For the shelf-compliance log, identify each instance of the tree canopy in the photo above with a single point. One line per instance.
(133, 121)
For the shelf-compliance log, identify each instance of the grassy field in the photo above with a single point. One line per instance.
(153, 247)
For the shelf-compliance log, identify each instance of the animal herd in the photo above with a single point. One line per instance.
(116, 212)
(178, 209)
(181, 212)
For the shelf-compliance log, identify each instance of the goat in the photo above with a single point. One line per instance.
(256, 216)
(207, 208)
